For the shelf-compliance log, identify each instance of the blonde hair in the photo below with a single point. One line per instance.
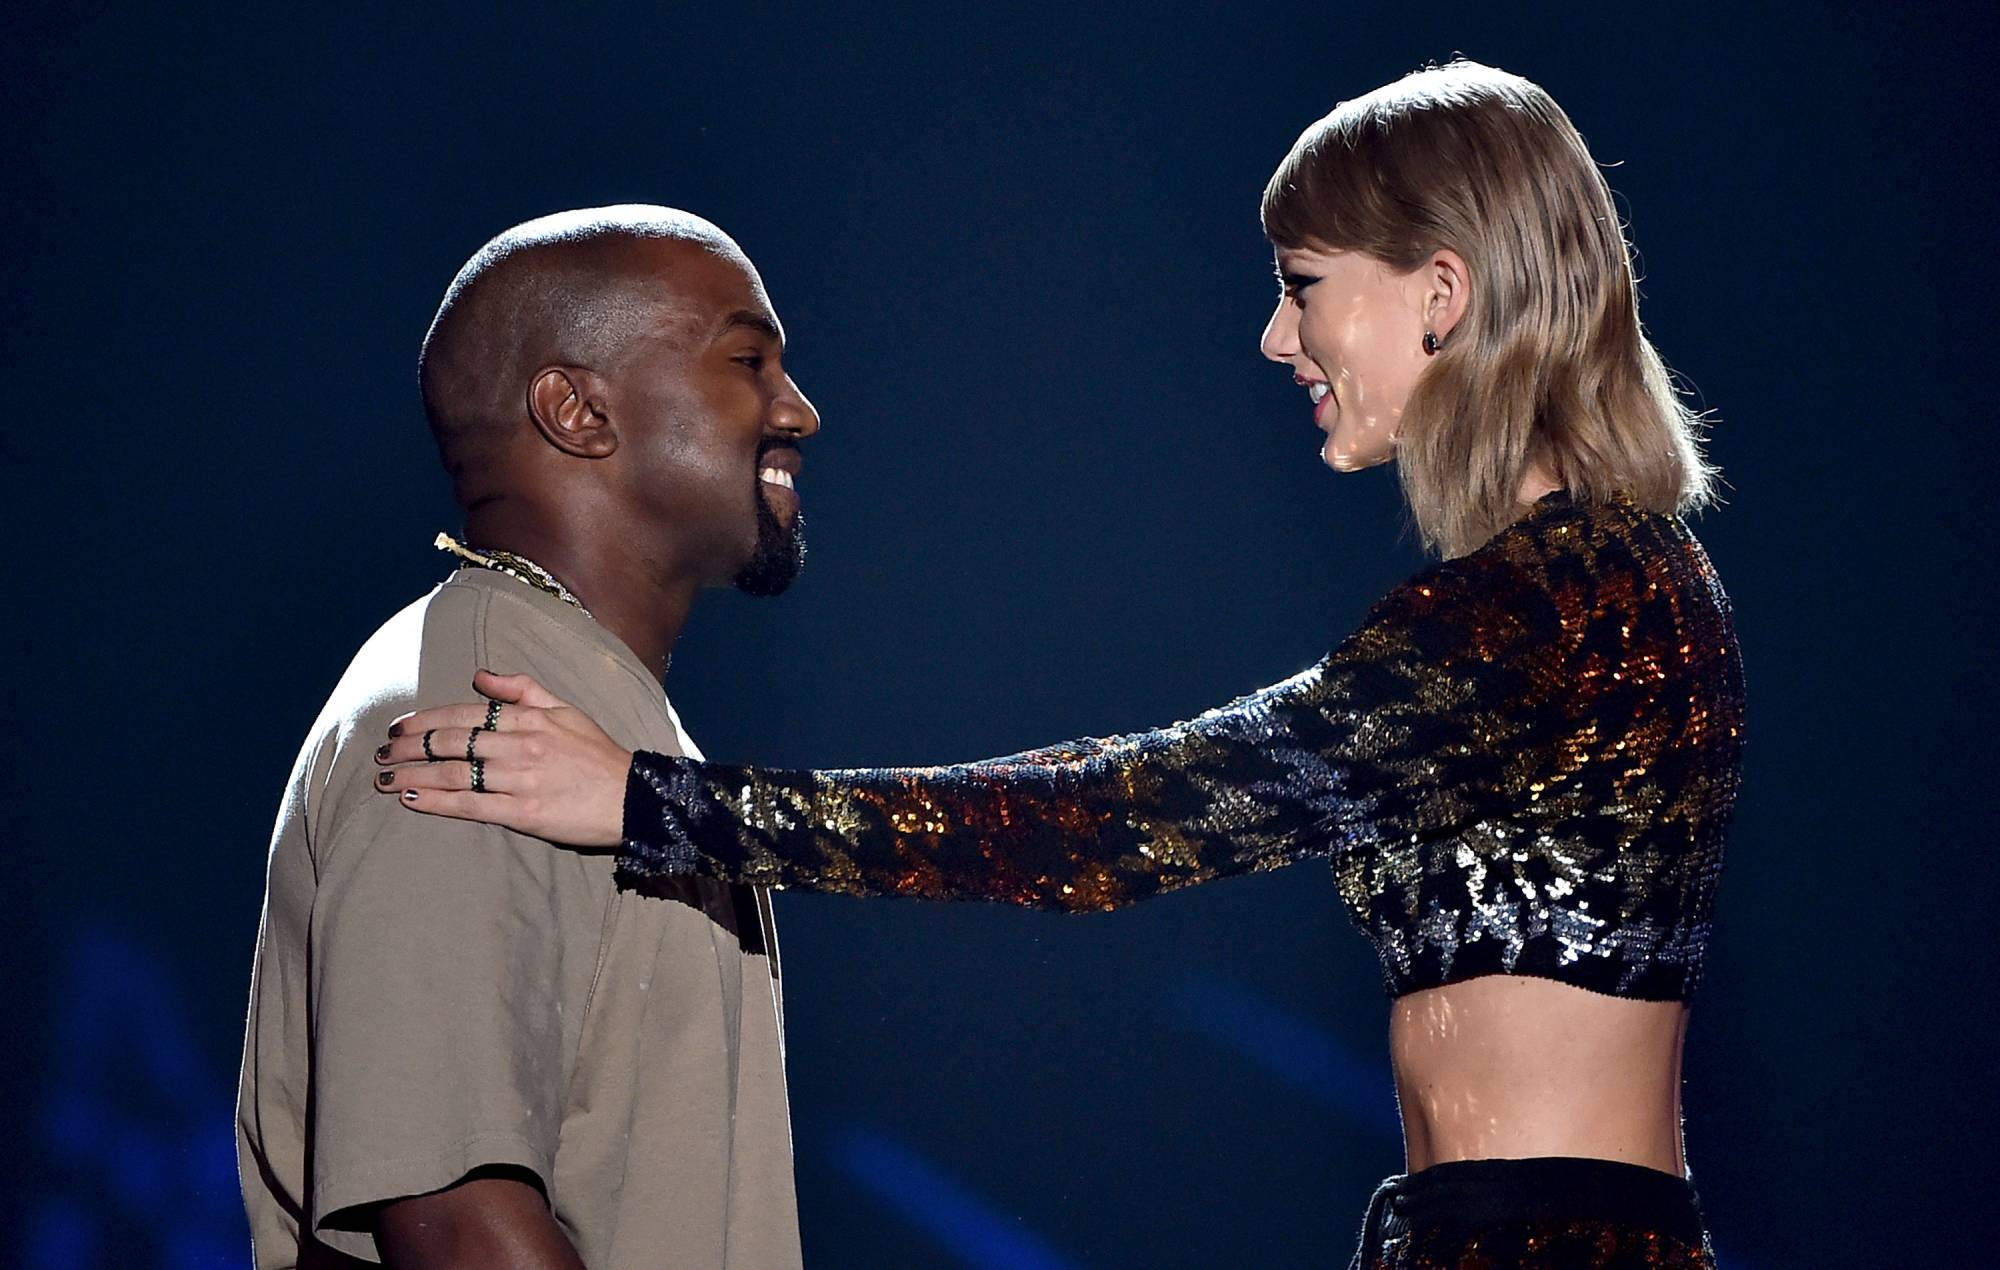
(1549, 362)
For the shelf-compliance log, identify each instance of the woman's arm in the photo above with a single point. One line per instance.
(1089, 824)
(1403, 730)
(1393, 733)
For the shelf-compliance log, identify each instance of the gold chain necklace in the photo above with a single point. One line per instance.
(517, 567)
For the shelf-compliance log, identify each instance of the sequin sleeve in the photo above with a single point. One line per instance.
(1400, 729)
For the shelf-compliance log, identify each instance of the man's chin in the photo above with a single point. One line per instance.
(763, 585)
(777, 559)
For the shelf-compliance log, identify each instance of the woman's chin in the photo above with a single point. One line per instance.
(1342, 455)
(1348, 461)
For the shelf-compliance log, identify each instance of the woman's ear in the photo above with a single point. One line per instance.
(1448, 285)
(567, 405)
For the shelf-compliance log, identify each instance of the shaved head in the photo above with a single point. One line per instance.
(609, 394)
(570, 289)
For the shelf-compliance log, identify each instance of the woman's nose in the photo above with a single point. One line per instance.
(1281, 333)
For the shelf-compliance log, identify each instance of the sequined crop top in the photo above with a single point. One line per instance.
(1523, 762)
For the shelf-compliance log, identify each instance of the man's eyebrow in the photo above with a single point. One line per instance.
(755, 321)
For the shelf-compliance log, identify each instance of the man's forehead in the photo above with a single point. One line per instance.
(707, 287)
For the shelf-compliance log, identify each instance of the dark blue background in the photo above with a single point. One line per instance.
(1057, 492)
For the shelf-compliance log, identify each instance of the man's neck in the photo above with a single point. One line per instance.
(640, 602)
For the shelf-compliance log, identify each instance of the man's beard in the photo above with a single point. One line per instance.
(779, 555)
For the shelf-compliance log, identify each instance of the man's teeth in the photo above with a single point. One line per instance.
(1318, 392)
(777, 477)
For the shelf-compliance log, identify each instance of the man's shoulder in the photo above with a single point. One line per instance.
(496, 623)
(426, 654)
(384, 677)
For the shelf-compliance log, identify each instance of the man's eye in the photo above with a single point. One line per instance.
(755, 361)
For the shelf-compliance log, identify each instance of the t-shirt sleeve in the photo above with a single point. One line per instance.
(450, 967)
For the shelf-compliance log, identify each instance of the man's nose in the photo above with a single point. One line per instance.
(1281, 333)
(792, 413)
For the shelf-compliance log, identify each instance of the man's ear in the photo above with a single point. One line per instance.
(567, 405)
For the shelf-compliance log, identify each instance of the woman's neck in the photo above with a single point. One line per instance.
(1535, 484)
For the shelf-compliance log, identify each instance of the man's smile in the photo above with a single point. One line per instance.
(777, 477)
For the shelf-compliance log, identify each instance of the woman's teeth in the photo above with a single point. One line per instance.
(1318, 392)
(776, 477)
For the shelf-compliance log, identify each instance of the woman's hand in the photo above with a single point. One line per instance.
(542, 767)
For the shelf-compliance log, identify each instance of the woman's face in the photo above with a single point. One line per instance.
(1352, 330)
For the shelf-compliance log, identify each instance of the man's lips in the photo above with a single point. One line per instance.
(777, 476)
(779, 466)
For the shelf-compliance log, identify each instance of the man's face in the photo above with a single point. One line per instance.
(710, 425)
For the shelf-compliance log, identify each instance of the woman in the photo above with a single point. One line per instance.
(1521, 765)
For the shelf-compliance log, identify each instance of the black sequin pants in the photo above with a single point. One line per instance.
(1551, 1213)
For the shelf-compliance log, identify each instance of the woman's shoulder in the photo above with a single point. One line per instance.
(1565, 566)
(1564, 540)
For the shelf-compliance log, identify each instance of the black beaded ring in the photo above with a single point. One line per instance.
(430, 755)
(492, 723)
(471, 739)
(479, 776)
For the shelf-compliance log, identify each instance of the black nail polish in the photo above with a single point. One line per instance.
(395, 729)
(385, 778)
(381, 754)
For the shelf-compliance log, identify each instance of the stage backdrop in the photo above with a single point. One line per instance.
(1057, 492)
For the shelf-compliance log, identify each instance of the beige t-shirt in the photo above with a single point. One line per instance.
(432, 996)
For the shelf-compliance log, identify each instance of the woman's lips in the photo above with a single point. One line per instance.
(1323, 410)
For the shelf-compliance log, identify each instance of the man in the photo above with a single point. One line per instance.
(465, 1049)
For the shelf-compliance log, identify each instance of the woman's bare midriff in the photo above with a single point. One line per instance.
(1507, 1067)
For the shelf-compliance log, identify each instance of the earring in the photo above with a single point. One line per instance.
(1431, 344)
